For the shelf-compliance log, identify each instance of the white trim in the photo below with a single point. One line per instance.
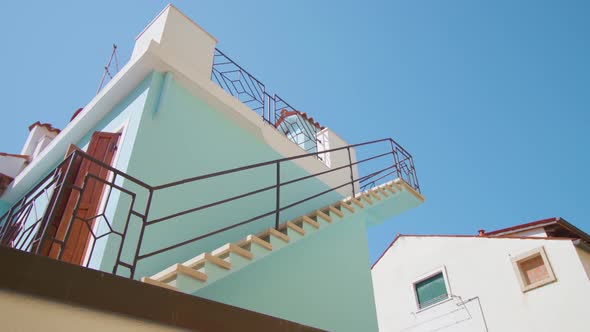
(540, 251)
(441, 269)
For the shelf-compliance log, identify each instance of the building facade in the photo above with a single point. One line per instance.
(184, 172)
(531, 277)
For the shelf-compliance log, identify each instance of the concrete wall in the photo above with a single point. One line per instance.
(180, 136)
(585, 259)
(11, 166)
(480, 269)
(27, 313)
(322, 281)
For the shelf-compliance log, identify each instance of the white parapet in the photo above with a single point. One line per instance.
(182, 39)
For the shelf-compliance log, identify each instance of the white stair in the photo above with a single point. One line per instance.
(206, 268)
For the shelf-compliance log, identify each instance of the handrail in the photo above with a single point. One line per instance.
(32, 236)
(267, 163)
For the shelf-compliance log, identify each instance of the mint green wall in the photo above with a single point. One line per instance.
(4, 206)
(322, 280)
(180, 136)
(124, 114)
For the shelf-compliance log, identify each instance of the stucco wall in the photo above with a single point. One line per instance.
(480, 267)
(180, 136)
(322, 281)
(585, 259)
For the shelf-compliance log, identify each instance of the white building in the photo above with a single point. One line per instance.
(530, 277)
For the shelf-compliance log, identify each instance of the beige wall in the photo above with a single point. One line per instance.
(27, 313)
(482, 268)
(585, 259)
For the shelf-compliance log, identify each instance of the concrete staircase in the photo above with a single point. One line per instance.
(206, 268)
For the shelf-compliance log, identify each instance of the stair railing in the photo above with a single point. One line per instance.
(30, 223)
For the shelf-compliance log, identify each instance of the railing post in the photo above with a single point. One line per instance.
(395, 159)
(351, 171)
(140, 238)
(278, 196)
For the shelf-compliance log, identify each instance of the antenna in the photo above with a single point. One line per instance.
(107, 68)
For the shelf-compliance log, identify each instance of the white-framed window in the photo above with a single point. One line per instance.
(533, 269)
(431, 288)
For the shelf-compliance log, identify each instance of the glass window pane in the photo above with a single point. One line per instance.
(431, 290)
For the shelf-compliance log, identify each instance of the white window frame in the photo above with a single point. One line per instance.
(432, 273)
(519, 273)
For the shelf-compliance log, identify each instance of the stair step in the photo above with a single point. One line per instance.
(275, 238)
(253, 239)
(181, 269)
(374, 194)
(382, 192)
(237, 256)
(153, 282)
(293, 230)
(357, 202)
(366, 198)
(202, 260)
(347, 206)
(390, 188)
(397, 186)
(255, 245)
(336, 211)
(310, 221)
(229, 248)
(322, 215)
(309, 225)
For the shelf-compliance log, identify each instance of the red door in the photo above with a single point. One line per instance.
(102, 147)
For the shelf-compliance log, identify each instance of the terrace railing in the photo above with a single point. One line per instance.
(239, 83)
(33, 223)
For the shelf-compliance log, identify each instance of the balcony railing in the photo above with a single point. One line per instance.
(52, 217)
(239, 83)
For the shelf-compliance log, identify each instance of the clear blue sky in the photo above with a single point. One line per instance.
(492, 98)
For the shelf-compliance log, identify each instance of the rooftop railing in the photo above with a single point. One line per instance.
(239, 83)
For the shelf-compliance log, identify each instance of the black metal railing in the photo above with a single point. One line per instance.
(33, 223)
(273, 109)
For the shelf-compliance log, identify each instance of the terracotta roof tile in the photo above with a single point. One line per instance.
(46, 125)
(285, 114)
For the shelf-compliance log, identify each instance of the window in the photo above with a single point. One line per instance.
(431, 290)
(533, 269)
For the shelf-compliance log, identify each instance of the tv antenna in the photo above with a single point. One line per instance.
(108, 68)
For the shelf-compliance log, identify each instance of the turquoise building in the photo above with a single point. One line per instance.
(186, 173)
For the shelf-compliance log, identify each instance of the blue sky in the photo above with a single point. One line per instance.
(491, 98)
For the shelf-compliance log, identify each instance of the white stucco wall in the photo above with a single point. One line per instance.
(585, 259)
(11, 165)
(480, 269)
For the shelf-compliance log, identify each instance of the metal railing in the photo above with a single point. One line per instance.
(33, 223)
(239, 83)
